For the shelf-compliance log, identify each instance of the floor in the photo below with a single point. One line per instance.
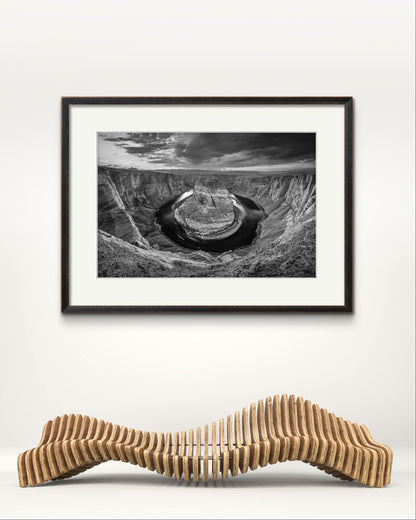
(288, 490)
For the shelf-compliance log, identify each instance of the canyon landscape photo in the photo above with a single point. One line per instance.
(206, 204)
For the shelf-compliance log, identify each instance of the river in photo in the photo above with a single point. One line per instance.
(247, 215)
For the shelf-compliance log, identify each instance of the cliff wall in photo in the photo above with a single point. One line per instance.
(131, 241)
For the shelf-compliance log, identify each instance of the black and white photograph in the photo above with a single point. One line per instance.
(206, 205)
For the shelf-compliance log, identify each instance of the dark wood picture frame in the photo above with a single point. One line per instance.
(346, 102)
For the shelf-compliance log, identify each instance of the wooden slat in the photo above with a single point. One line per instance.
(274, 441)
(278, 428)
(178, 459)
(205, 461)
(215, 458)
(196, 467)
(188, 457)
(165, 454)
(224, 454)
(264, 441)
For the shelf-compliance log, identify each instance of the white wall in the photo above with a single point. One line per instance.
(170, 372)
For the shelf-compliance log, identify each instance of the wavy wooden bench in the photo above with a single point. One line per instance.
(276, 430)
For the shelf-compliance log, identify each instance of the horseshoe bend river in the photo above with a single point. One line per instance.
(247, 215)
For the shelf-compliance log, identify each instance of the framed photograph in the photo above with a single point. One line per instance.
(207, 204)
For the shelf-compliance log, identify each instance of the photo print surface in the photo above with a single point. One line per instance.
(206, 205)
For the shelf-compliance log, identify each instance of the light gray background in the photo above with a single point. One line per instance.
(174, 372)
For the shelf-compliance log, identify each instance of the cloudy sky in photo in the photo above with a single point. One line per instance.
(207, 151)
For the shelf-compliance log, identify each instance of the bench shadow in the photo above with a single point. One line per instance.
(241, 481)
